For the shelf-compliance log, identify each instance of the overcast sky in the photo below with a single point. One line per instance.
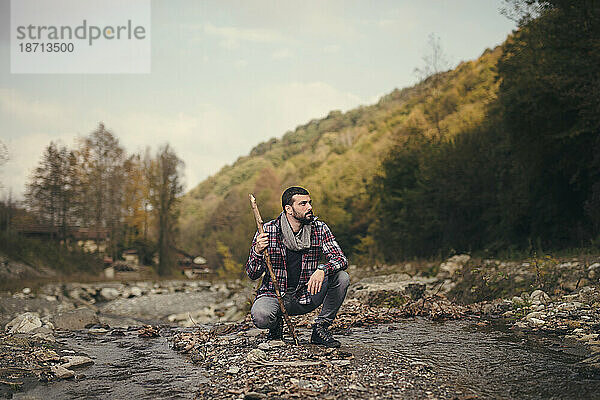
(227, 75)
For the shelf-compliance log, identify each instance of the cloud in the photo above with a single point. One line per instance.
(19, 107)
(24, 154)
(204, 139)
(231, 36)
(282, 54)
(285, 106)
(331, 49)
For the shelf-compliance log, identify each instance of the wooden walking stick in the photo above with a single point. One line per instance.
(259, 224)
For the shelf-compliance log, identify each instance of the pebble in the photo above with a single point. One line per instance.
(233, 370)
(61, 372)
(76, 361)
(254, 396)
(536, 321)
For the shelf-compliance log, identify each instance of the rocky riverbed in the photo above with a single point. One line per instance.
(207, 324)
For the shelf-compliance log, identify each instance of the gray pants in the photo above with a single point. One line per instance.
(265, 310)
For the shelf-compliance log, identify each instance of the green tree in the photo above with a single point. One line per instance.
(550, 92)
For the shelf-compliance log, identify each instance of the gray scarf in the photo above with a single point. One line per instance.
(298, 241)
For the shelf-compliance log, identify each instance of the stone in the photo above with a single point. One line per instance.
(98, 331)
(535, 314)
(109, 273)
(48, 337)
(233, 370)
(536, 322)
(256, 356)
(454, 263)
(61, 372)
(254, 396)
(539, 297)
(264, 346)
(592, 274)
(76, 319)
(109, 293)
(136, 291)
(26, 290)
(24, 323)
(594, 266)
(76, 361)
(518, 301)
(254, 332)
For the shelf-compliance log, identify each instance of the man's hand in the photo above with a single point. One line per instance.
(262, 241)
(315, 282)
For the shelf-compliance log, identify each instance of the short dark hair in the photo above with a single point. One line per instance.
(286, 197)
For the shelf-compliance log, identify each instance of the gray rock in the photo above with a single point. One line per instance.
(233, 370)
(256, 356)
(539, 297)
(594, 266)
(24, 323)
(76, 319)
(44, 334)
(109, 293)
(61, 372)
(518, 301)
(534, 314)
(254, 396)
(454, 263)
(264, 346)
(536, 321)
(76, 361)
(254, 332)
(136, 291)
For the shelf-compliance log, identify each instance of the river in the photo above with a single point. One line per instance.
(482, 361)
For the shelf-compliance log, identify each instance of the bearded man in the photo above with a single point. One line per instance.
(295, 241)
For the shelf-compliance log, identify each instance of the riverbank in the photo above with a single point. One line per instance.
(208, 325)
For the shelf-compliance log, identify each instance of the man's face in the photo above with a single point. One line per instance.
(301, 208)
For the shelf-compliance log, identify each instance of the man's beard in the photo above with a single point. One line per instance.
(304, 219)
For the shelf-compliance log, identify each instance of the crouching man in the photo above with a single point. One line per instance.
(295, 241)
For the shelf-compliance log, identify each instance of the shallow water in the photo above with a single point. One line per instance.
(124, 367)
(489, 362)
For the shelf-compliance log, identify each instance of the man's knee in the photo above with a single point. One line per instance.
(263, 316)
(343, 279)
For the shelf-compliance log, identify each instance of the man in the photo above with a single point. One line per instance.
(295, 241)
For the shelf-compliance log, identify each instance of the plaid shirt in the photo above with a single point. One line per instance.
(322, 242)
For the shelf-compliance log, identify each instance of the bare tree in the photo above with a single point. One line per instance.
(435, 62)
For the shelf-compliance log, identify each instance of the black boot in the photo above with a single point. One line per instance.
(322, 336)
(276, 332)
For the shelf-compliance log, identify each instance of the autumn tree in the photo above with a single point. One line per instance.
(102, 183)
(164, 176)
(49, 193)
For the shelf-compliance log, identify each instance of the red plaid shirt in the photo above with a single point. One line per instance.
(322, 242)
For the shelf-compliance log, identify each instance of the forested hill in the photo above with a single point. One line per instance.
(336, 158)
(500, 154)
